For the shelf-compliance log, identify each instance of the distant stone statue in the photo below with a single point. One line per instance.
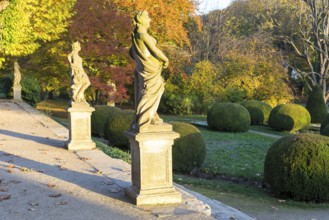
(3, 5)
(79, 78)
(17, 74)
(148, 82)
(112, 92)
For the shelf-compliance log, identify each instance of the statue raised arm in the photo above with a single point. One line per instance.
(148, 82)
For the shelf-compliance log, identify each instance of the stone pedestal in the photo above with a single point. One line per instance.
(80, 128)
(17, 89)
(151, 155)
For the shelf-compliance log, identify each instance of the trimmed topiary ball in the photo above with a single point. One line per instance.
(229, 117)
(289, 117)
(99, 117)
(189, 150)
(316, 105)
(324, 122)
(297, 167)
(114, 127)
(259, 111)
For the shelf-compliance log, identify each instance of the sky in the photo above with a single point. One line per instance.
(209, 5)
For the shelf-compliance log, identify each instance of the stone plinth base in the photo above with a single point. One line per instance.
(80, 128)
(17, 89)
(151, 162)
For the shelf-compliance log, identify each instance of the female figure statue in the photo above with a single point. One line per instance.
(17, 74)
(79, 78)
(148, 82)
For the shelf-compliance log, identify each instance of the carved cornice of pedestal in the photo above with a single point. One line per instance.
(154, 132)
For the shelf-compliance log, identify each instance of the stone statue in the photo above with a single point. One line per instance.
(17, 75)
(79, 78)
(4, 5)
(148, 82)
(111, 94)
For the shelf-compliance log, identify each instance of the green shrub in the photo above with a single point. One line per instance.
(6, 83)
(189, 150)
(289, 117)
(31, 90)
(325, 131)
(99, 116)
(316, 105)
(259, 111)
(297, 167)
(228, 117)
(324, 122)
(114, 127)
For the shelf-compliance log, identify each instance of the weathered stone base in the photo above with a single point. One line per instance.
(17, 89)
(80, 145)
(80, 129)
(151, 162)
(154, 197)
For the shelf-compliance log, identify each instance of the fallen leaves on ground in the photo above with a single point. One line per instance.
(50, 185)
(25, 169)
(4, 197)
(3, 189)
(61, 203)
(84, 158)
(56, 195)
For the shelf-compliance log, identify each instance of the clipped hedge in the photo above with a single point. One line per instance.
(228, 117)
(114, 127)
(324, 122)
(259, 111)
(297, 167)
(289, 117)
(325, 131)
(189, 150)
(316, 105)
(31, 90)
(99, 117)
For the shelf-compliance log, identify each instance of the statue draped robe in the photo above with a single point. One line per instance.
(148, 82)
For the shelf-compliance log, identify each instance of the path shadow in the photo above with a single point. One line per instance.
(38, 139)
(94, 182)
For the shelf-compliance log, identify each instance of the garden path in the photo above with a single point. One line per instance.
(40, 179)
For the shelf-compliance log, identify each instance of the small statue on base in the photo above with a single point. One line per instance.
(79, 79)
(17, 75)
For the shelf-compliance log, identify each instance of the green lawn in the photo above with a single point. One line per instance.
(233, 167)
(235, 154)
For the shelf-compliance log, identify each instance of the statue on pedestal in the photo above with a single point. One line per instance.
(17, 75)
(148, 82)
(79, 79)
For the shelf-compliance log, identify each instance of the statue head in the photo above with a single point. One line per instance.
(142, 19)
(16, 66)
(76, 46)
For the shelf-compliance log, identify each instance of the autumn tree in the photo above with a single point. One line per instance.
(104, 33)
(305, 32)
(27, 23)
(168, 17)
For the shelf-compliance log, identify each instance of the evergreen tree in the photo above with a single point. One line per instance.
(316, 105)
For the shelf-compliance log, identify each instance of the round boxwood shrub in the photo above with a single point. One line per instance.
(99, 116)
(114, 127)
(189, 150)
(316, 105)
(297, 167)
(228, 117)
(259, 111)
(325, 131)
(324, 122)
(289, 117)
